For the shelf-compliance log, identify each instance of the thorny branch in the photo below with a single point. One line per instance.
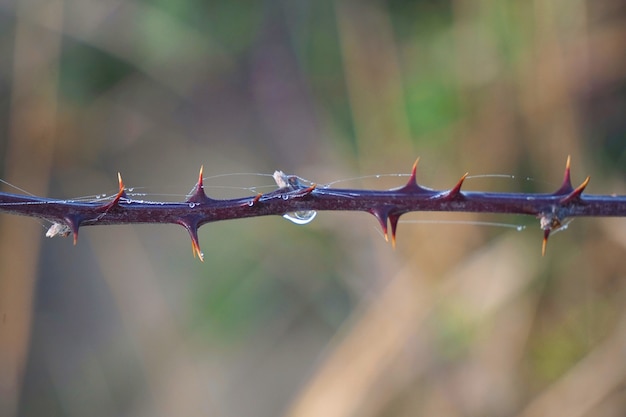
(292, 195)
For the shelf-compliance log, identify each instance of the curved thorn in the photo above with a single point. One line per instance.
(456, 190)
(412, 186)
(381, 215)
(579, 190)
(195, 247)
(120, 194)
(192, 228)
(566, 185)
(575, 194)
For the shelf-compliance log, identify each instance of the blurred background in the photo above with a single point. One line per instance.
(324, 319)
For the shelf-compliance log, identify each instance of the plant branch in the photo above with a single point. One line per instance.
(293, 196)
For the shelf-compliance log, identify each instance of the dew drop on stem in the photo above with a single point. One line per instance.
(301, 217)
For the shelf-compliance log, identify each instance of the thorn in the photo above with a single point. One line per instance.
(566, 186)
(192, 228)
(381, 215)
(74, 225)
(575, 194)
(198, 195)
(120, 194)
(310, 189)
(548, 222)
(254, 201)
(195, 247)
(456, 190)
(544, 244)
(201, 178)
(393, 220)
(413, 177)
(303, 192)
(412, 186)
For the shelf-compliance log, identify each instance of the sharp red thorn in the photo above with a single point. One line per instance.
(122, 190)
(120, 194)
(195, 247)
(579, 190)
(575, 194)
(382, 216)
(192, 228)
(198, 195)
(456, 190)
(201, 177)
(412, 186)
(413, 177)
(566, 186)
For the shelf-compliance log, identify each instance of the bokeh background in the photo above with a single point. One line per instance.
(324, 319)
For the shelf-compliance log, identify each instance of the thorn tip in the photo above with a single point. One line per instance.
(73, 224)
(198, 195)
(381, 215)
(411, 185)
(192, 228)
(201, 177)
(393, 220)
(576, 193)
(566, 185)
(456, 190)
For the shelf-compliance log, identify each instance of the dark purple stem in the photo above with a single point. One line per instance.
(387, 206)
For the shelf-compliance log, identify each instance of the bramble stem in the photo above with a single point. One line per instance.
(292, 196)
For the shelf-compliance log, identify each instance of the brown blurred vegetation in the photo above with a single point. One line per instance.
(323, 319)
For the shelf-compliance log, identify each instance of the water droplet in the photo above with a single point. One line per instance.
(301, 217)
(285, 197)
(192, 205)
(130, 190)
(520, 228)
